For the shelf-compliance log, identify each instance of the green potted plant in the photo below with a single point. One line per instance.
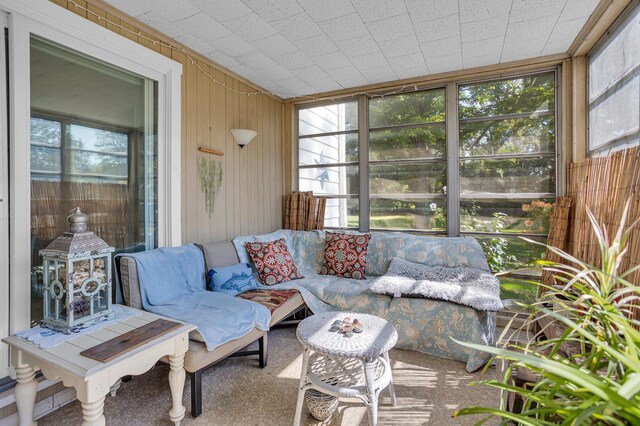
(600, 382)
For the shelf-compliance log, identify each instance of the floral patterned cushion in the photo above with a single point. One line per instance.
(345, 255)
(273, 261)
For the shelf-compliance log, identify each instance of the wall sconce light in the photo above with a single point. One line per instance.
(243, 136)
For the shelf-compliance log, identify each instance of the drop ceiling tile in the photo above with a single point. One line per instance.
(332, 60)
(277, 73)
(250, 27)
(575, 9)
(257, 61)
(400, 47)
(488, 47)
(297, 27)
(391, 28)
(203, 26)
(233, 46)
(378, 75)
(158, 22)
(272, 10)
(223, 59)
(438, 29)
(480, 61)
(553, 47)
(175, 10)
(371, 60)
(483, 29)
(438, 48)
(535, 28)
(410, 64)
(474, 10)
(275, 45)
(195, 43)
(316, 46)
(358, 46)
(380, 10)
(345, 73)
(348, 83)
(567, 31)
(325, 85)
(522, 49)
(294, 60)
(134, 8)
(344, 27)
(221, 10)
(293, 82)
(445, 63)
(326, 9)
(429, 10)
(526, 10)
(309, 74)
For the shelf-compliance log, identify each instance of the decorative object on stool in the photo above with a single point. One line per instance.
(320, 405)
(77, 278)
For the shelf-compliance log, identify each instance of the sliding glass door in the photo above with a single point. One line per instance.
(93, 145)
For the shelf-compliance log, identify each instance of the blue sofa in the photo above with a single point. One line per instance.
(423, 325)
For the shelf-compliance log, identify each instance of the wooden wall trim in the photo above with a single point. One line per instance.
(488, 71)
(580, 108)
(597, 25)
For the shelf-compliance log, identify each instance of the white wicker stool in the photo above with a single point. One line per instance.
(353, 367)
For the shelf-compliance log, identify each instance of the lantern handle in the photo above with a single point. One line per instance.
(73, 211)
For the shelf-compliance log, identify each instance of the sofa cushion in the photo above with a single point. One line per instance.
(273, 261)
(345, 255)
(232, 280)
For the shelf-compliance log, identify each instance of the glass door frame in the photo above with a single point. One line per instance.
(49, 21)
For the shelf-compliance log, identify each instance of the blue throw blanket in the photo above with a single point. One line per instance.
(172, 284)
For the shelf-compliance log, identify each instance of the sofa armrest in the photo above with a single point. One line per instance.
(130, 282)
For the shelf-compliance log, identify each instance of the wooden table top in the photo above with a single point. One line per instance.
(67, 354)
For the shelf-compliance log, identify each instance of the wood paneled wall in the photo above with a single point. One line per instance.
(251, 198)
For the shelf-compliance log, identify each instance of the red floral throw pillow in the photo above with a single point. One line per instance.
(273, 261)
(345, 255)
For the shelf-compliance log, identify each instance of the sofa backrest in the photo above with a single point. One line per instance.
(216, 254)
(307, 249)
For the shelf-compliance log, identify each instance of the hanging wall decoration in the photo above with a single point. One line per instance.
(210, 180)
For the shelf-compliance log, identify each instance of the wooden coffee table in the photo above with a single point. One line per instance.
(93, 379)
(352, 367)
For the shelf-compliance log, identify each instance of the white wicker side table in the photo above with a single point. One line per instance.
(353, 367)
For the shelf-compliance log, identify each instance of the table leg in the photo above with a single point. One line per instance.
(301, 391)
(176, 383)
(392, 390)
(25, 393)
(115, 387)
(370, 377)
(92, 413)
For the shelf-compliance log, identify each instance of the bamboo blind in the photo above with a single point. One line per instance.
(604, 184)
(106, 204)
(558, 234)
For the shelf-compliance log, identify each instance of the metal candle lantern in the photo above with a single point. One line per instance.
(77, 278)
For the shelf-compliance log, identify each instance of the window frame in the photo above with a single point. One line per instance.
(452, 123)
(46, 20)
(613, 31)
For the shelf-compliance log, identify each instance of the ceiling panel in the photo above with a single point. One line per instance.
(301, 47)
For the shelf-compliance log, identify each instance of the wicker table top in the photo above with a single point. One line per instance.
(377, 337)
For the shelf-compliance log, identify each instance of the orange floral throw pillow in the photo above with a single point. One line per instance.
(345, 255)
(273, 261)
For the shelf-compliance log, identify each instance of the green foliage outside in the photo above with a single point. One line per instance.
(598, 383)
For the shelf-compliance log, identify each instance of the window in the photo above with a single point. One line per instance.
(93, 145)
(504, 179)
(328, 160)
(614, 87)
(407, 161)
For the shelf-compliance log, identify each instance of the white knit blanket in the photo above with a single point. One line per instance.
(466, 286)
